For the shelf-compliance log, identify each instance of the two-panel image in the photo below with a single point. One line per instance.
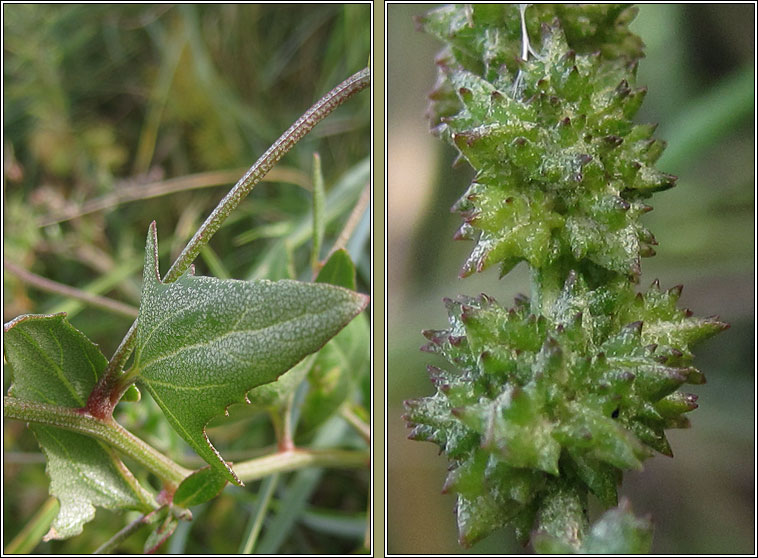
(378, 278)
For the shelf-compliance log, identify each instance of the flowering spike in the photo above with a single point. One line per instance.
(555, 397)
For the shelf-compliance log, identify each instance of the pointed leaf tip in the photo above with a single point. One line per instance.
(151, 270)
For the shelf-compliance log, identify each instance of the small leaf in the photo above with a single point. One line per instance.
(203, 343)
(338, 270)
(132, 394)
(335, 373)
(52, 362)
(275, 393)
(201, 486)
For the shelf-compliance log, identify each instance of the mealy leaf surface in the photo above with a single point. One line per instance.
(203, 343)
(54, 363)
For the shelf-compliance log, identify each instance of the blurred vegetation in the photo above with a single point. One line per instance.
(102, 100)
(699, 70)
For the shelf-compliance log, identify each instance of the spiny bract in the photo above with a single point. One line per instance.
(580, 382)
(578, 393)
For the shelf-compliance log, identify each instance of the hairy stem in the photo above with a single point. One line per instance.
(323, 107)
(283, 462)
(107, 430)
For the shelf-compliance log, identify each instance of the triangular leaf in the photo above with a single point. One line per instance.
(203, 343)
(52, 362)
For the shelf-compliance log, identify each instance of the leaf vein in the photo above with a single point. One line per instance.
(169, 316)
(208, 343)
(56, 367)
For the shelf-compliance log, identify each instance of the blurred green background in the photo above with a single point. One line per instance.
(699, 71)
(100, 100)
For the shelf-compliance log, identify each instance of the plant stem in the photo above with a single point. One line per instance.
(30, 536)
(282, 462)
(323, 107)
(318, 212)
(352, 220)
(356, 422)
(107, 430)
(129, 192)
(281, 420)
(50, 286)
(256, 521)
(114, 367)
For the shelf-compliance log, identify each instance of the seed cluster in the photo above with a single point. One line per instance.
(579, 383)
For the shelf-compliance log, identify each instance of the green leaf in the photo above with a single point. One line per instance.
(338, 270)
(132, 394)
(335, 373)
(274, 394)
(52, 362)
(201, 486)
(203, 343)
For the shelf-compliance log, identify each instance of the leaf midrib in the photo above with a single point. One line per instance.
(60, 374)
(144, 367)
